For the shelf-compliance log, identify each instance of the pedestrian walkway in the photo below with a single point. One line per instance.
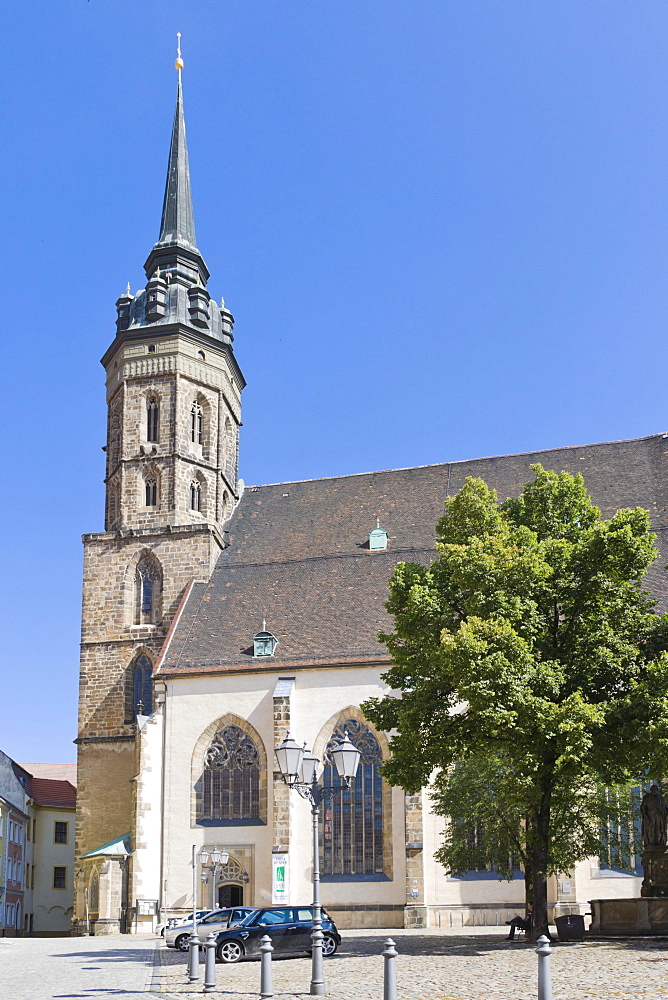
(444, 965)
(82, 968)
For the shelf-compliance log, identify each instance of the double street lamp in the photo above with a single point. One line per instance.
(213, 862)
(298, 767)
(216, 858)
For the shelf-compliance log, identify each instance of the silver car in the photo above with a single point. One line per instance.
(217, 920)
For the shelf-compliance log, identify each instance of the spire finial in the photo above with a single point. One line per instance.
(127, 290)
(179, 61)
(377, 523)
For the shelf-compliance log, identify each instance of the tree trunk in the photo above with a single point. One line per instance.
(539, 864)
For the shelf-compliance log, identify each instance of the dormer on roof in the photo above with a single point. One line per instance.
(264, 643)
(377, 538)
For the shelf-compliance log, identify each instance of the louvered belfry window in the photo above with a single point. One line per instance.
(231, 778)
(352, 825)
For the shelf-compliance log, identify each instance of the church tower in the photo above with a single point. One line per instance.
(174, 410)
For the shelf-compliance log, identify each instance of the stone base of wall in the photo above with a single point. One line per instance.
(98, 928)
(366, 915)
(643, 917)
(469, 915)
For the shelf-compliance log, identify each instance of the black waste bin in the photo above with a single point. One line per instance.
(571, 927)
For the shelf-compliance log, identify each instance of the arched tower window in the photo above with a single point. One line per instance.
(352, 825)
(114, 442)
(151, 491)
(230, 783)
(195, 495)
(230, 450)
(148, 591)
(142, 688)
(196, 423)
(152, 419)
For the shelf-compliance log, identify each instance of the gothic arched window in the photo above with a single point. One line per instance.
(230, 789)
(151, 491)
(142, 689)
(152, 418)
(196, 423)
(352, 825)
(94, 893)
(148, 591)
(195, 495)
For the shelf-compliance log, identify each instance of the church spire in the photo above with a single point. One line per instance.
(178, 224)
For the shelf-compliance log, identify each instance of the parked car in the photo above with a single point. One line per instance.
(178, 921)
(289, 928)
(215, 920)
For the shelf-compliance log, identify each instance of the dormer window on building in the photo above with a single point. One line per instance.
(377, 538)
(264, 643)
(152, 419)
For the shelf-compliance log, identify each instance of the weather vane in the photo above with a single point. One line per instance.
(179, 61)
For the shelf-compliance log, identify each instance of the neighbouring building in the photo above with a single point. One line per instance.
(217, 617)
(51, 875)
(15, 898)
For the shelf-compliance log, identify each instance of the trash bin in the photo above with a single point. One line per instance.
(571, 927)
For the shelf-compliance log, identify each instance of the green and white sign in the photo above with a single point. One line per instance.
(279, 882)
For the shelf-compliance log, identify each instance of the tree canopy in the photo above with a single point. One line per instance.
(529, 671)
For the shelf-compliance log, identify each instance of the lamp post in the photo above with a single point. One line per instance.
(298, 767)
(213, 862)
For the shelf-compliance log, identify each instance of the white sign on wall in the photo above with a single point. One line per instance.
(279, 880)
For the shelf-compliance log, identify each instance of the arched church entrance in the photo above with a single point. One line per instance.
(230, 895)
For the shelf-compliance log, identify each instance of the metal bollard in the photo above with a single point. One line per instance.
(390, 971)
(193, 958)
(266, 982)
(210, 963)
(544, 971)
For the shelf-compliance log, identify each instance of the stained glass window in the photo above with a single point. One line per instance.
(352, 823)
(231, 780)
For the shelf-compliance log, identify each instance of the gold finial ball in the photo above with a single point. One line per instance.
(178, 64)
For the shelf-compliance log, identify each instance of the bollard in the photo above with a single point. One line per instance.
(266, 983)
(193, 958)
(390, 971)
(210, 963)
(544, 972)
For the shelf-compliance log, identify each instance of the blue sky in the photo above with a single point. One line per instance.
(442, 228)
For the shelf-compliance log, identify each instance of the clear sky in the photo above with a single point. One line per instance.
(442, 227)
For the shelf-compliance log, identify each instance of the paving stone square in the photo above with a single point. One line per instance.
(438, 965)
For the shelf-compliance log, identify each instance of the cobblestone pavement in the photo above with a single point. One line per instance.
(438, 965)
(82, 968)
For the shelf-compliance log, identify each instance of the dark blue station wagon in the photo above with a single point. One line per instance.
(289, 928)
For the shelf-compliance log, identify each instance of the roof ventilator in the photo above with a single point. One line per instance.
(377, 538)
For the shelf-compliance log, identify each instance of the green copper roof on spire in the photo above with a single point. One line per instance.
(178, 223)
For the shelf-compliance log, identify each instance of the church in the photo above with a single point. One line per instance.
(218, 617)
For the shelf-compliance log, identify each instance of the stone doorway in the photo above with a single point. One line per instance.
(230, 895)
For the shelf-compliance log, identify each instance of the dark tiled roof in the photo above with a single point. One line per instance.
(299, 556)
(49, 792)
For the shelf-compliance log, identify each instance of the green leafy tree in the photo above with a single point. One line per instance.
(529, 671)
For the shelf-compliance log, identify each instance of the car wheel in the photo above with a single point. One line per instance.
(230, 951)
(182, 942)
(329, 945)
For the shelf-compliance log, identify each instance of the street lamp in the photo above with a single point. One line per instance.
(298, 767)
(203, 856)
(213, 862)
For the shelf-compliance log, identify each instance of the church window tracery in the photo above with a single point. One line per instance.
(152, 420)
(195, 495)
(231, 778)
(148, 591)
(142, 688)
(151, 491)
(352, 826)
(196, 423)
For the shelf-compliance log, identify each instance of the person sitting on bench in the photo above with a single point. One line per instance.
(519, 924)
